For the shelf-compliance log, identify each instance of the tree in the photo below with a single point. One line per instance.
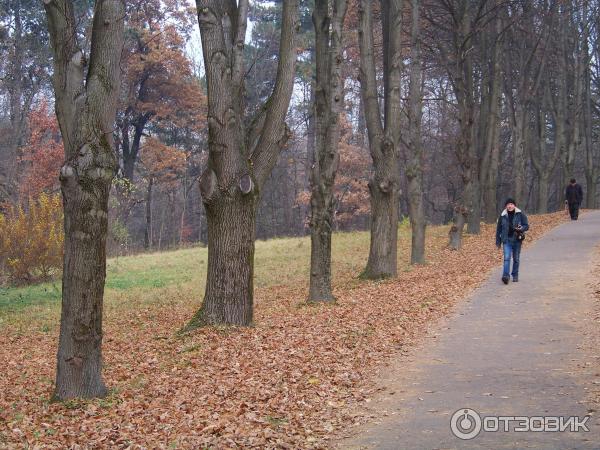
(164, 166)
(158, 82)
(43, 154)
(329, 91)
(590, 59)
(24, 68)
(414, 169)
(488, 135)
(240, 157)
(455, 30)
(86, 90)
(526, 53)
(384, 140)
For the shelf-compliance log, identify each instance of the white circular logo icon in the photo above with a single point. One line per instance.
(465, 424)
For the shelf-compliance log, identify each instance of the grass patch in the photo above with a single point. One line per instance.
(178, 276)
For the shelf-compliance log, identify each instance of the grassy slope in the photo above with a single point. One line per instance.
(156, 277)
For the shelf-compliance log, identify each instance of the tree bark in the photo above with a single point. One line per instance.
(229, 296)
(414, 166)
(542, 193)
(148, 230)
(462, 76)
(328, 107)
(384, 140)
(239, 160)
(456, 230)
(86, 112)
(592, 158)
(543, 163)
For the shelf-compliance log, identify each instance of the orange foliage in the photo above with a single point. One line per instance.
(159, 80)
(43, 155)
(351, 188)
(31, 240)
(351, 183)
(164, 164)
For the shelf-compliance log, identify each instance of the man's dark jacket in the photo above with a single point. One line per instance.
(574, 194)
(519, 218)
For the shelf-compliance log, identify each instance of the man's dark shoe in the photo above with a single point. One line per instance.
(505, 280)
(515, 279)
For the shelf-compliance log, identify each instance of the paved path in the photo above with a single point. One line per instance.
(507, 351)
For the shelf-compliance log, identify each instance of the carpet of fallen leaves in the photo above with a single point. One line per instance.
(590, 332)
(291, 381)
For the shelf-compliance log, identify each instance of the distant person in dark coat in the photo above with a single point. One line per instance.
(573, 198)
(510, 232)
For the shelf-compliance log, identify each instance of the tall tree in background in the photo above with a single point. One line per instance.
(86, 90)
(414, 164)
(24, 71)
(329, 92)
(158, 82)
(240, 157)
(525, 54)
(590, 53)
(163, 166)
(488, 132)
(384, 138)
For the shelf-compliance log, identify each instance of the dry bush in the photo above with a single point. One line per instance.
(31, 240)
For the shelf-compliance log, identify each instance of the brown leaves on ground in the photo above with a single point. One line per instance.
(300, 374)
(590, 332)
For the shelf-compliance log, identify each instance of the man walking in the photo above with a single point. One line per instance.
(510, 232)
(573, 198)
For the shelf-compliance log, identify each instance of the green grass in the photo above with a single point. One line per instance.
(176, 275)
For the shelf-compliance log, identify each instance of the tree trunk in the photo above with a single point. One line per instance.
(542, 193)
(240, 160)
(148, 230)
(384, 141)
(519, 139)
(591, 147)
(456, 230)
(18, 106)
(414, 166)
(85, 202)
(229, 295)
(590, 192)
(417, 221)
(86, 113)
(320, 261)
(463, 85)
(328, 107)
(474, 217)
(383, 261)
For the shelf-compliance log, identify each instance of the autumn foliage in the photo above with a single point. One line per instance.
(43, 155)
(31, 240)
(163, 164)
(351, 188)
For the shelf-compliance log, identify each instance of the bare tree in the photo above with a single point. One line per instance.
(86, 96)
(525, 58)
(414, 165)
(328, 106)
(488, 134)
(240, 157)
(590, 22)
(384, 138)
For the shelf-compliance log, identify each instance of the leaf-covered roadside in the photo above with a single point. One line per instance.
(300, 374)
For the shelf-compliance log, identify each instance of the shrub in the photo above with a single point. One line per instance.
(31, 240)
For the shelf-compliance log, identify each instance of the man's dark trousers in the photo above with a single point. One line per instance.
(574, 210)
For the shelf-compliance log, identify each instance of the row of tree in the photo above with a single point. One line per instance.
(455, 103)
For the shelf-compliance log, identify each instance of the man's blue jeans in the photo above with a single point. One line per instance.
(511, 248)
